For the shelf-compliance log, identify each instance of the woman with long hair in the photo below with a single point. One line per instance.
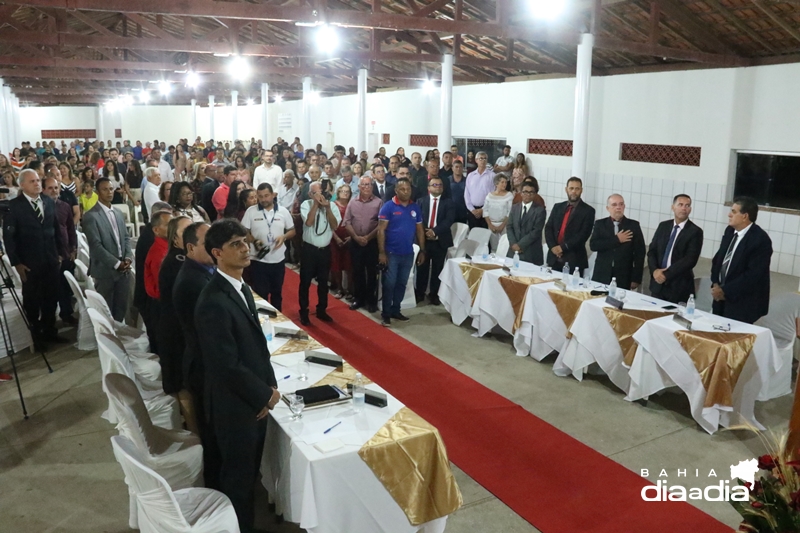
(182, 200)
(247, 199)
(5, 165)
(111, 171)
(180, 162)
(242, 172)
(16, 159)
(521, 164)
(95, 161)
(88, 174)
(497, 208)
(68, 179)
(401, 155)
(340, 247)
(133, 180)
(164, 191)
(471, 164)
(358, 170)
(9, 182)
(232, 207)
(199, 180)
(429, 155)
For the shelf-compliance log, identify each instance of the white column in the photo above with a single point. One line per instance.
(264, 113)
(235, 114)
(194, 119)
(99, 122)
(305, 130)
(446, 114)
(5, 135)
(580, 128)
(362, 111)
(8, 123)
(17, 121)
(211, 116)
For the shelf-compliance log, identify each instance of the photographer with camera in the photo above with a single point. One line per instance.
(319, 221)
(269, 226)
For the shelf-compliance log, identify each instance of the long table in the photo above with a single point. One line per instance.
(336, 491)
(656, 360)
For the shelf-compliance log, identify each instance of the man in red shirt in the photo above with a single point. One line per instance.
(220, 198)
(155, 256)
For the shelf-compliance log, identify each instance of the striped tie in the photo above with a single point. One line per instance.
(726, 262)
(38, 211)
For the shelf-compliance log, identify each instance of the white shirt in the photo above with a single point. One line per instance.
(37, 201)
(680, 229)
(286, 196)
(166, 171)
(320, 233)
(526, 208)
(149, 197)
(272, 175)
(266, 225)
(430, 210)
(237, 286)
(504, 160)
(741, 234)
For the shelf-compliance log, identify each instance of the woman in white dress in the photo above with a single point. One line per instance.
(497, 208)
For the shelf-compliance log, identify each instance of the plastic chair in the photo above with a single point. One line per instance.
(83, 242)
(83, 270)
(702, 293)
(176, 455)
(502, 246)
(459, 231)
(162, 510)
(86, 340)
(134, 339)
(590, 269)
(480, 235)
(466, 247)
(145, 364)
(410, 297)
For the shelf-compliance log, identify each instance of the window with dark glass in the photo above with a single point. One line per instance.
(772, 179)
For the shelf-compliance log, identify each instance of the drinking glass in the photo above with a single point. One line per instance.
(621, 293)
(302, 370)
(296, 405)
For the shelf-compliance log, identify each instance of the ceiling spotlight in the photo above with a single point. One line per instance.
(313, 97)
(428, 87)
(164, 88)
(327, 39)
(239, 67)
(546, 9)
(112, 105)
(144, 97)
(192, 79)
(278, 99)
(127, 100)
(250, 101)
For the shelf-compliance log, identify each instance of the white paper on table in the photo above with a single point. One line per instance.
(312, 432)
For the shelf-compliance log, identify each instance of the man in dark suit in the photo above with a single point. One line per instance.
(620, 248)
(524, 230)
(240, 386)
(214, 176)
(35, 248)
(568, 229)
(195, 273)
(740, 269)
(674, 252)
(380, 187)
(438, 214)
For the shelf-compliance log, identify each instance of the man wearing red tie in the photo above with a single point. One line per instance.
(568, 229)
(438, 214)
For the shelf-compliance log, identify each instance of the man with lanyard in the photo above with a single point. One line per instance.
(269, 226)
(400, 221)
(319, 221)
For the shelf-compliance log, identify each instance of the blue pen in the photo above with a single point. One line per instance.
(330, 428)
(286, 377)
(650, 302)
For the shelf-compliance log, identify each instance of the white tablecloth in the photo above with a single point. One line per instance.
(453, 291)
(333, 492)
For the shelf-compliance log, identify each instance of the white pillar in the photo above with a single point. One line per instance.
(235, 114)
(17, 121)
(305, 130)
(362, 111)
(99, 122)
(9, 117)
(264, 114)
(5, 142)
(194, 119)
(446, 114)
(211, 116)
(580, 128)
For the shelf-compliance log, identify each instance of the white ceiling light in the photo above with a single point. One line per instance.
(546, 9)
(164, 87)
(313, 97)
(192, 79)
(239, 67)
(327, 39)
(112, 105)
(278, 99)
(144, 97)
(127, 100)
(250, 101)
(428, 86)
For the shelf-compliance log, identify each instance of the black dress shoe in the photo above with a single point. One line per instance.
(386, 322)
(372, 308)
(58, 339)
(355, 306)
(420, 298)
(401, 317)
(304, 321)
(324, 316)
(434, 300)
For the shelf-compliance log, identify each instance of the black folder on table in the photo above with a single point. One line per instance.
(317, 395)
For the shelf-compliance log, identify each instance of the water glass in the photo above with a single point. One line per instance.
(296, 405)
(302, 370)
(621, 293)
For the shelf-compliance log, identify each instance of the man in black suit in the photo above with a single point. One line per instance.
(195, 273)
(35, 248)
(214, 176)
(438, 214)
(524, 230)
(568, 229)
(380, 186)
(740, 269)
(620, 248)
(674, 252)
(240, 386)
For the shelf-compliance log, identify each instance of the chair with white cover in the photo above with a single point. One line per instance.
(590, 269)
(702, 294)
(83, 270)
(126, 215)
(480, 235)
(134, 339)
(175, 454)
(83, 242)
(86, 340)
(502, 246)
(459, 231)
(410, 297)
(467, 247)
(782, 320)
(14, 274)
(164, 510)
(145, 364)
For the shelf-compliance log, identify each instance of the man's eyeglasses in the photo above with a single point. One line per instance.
(528, 192)
(436, 185)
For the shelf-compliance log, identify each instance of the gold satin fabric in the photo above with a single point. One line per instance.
(720, 358)
(473, 273)
(568, 304)
(297, 345)
(408, 456)
(516, 288)
(341, 377)
(625, 323)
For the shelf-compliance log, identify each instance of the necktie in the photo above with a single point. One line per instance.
(616, 227)
(38, 211)
(564, 225)
(246, 293)
(432, 223)
(727, 261)
(380, 190)
(524, 210)
(670, 243)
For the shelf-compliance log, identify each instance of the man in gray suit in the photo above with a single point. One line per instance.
(524, 230)
(110, 250)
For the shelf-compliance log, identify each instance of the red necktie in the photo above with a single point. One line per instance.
(433, 214)
(564, 225)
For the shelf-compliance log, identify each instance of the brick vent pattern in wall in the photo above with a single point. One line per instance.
(69, 134)
(660, 153)
(560, 147)
(386, 138)
(430, 141)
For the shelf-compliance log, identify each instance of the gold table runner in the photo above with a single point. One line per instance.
(297, 345)
(568, 304)
(341, 377)
(720, 358)
(408, 456)
(473, 273)
(516, 288)
(625, 323)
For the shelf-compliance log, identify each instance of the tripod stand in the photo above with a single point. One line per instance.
(5, 331)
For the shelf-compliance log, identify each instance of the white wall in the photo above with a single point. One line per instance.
(36, 119)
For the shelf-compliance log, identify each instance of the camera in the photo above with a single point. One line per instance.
(262, 250)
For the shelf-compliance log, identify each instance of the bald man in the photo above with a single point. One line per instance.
(620, 247)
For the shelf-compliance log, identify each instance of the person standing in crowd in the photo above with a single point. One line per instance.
(361, 222)
(163, 167)
(740, 268)
(240, 385)
(181, 198)
(446, 172)
(505, 163)
(400, 222)
(433, 172)
(438, 214)
(524, 229)
(150, 189)
(267, 172)
(340, 247)
(480, 182)
(32, 239)
(568, 229)
(496, 209)
(457, 188)
(213, 179)
(673, 253)
(269, 227)
(109, 251)
(319, 221)
(418, 172)
(143, 245)
(66, 224)
(380, 187)
(620, 247)
(152, 264)
(220, 197)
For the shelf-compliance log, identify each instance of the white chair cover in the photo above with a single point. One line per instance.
(134, 339)
(502, 246)
(176, 455)
(466, 247)
(410, 297)
(459, 231)
(126, 215)
(83, 242)
(480, 235)
(81, 267)
(590, 269)
(86, 340)
(145, 365)
(193, 510)
(702, 294)
(14, 273)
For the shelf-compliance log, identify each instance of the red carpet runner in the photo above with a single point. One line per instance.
(550, 479)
